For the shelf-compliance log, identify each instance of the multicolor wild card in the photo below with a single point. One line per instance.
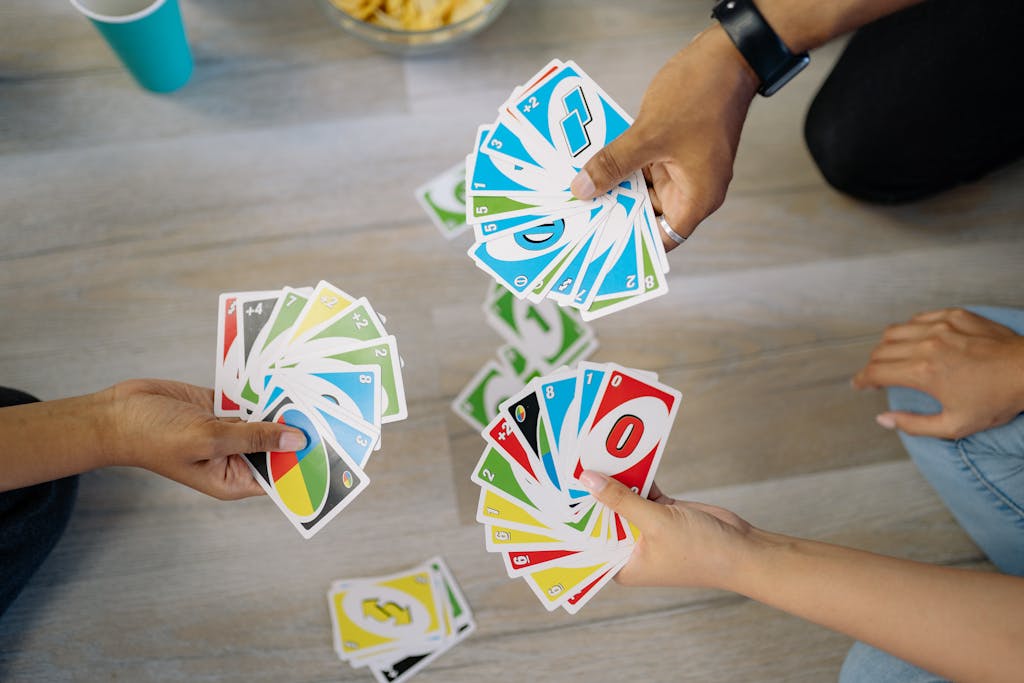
(397, 624)
(317, 359)
(532, 235)
(547, 528)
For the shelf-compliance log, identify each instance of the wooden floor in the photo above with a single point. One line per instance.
(291, 157)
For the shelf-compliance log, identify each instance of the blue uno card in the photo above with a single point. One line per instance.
(557, 398)
(489, 229)
(500, 174)
(357, 391)
(572, 115)
(590, 376)
(502, 141)
(566, 284)
(610, 243)
(519, 259)
(355, 439)
(623, 277)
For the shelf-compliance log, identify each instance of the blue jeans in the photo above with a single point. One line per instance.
(981, 480)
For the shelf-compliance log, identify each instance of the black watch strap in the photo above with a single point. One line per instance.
(759, 44)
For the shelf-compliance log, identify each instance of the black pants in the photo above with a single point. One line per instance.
(32, 519)
(922, 101)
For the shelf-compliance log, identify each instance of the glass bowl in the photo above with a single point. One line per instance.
(414, 42)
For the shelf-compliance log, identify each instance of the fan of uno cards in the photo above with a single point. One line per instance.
(317, 359)
(531, 234)
(547, 528)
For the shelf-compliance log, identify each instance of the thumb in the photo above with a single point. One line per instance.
(936, 425)
(611, 165)
(620, 499)
(254, 437)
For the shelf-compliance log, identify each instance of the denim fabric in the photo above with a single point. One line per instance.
(980, 478)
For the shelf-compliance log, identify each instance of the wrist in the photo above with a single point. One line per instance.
(752, 560)
(103, 409)
(725, 60)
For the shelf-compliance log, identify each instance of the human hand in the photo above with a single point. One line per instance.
(685, 136)
(681, 543)
(971, 365)
(169, 428)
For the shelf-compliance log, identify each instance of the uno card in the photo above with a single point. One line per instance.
(520, 259)
(626, 432)
(325, 302)
(479, 400)
(382, 353)
(571, 114)
(229, 362)
(371, 616)
(522, 413)
(274, 334)
(253, 311)
(545, 331)
(310, 486)
(444, 200)
(515, 360)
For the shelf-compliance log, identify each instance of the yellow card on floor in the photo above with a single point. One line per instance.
(371, 615)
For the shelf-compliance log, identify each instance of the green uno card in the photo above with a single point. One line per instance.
(444, 200)
(384, 354)
(478, 401)
(544, 331)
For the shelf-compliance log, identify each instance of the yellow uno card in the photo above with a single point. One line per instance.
(501, 538)
(493, 509)
(555, 584)
(372, 615)
(326, 301)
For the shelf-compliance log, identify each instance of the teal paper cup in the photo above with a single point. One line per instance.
(148, 36)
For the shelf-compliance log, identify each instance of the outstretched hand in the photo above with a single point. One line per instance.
(680, 544)
(685, 136)
(169, 428)
(971, 365)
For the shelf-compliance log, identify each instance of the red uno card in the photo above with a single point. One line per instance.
(627, 430)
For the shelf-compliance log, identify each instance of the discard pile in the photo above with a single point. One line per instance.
(395, 625)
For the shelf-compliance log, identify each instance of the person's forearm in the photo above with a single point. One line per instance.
(49, 440)
(963, 625)
(806, 24)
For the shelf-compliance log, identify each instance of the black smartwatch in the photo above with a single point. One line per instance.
(759, 44)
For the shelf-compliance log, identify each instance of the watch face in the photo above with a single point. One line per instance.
(799, 64)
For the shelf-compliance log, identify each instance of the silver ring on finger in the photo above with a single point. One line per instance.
(672, 234)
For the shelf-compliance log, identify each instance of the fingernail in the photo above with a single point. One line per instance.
(886, 421)
(292, 441)
(582, 186)
(593, 481)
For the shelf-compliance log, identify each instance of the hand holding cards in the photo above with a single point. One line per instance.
(319, 360)
(549, 530)
(532, 235)
(397, 624)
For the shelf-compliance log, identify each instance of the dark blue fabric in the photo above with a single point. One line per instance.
(32, 520)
